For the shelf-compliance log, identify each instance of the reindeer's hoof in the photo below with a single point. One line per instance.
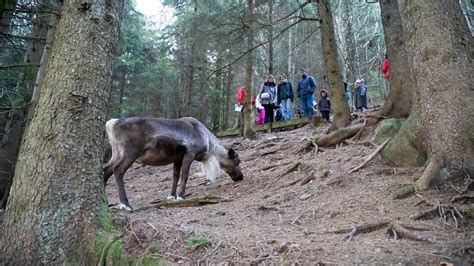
(125, 207)
(171, 197)
(179, 198)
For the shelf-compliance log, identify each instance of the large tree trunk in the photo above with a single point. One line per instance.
(440, 127)
(270, 37)
(340, 106)
(399, 101)
(57, 204)
(249, 130)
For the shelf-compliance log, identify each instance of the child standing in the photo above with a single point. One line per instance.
(324, 105)
(261, 112)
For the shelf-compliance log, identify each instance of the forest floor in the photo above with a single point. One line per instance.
(273, 220)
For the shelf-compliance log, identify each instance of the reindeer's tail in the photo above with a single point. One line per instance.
(109, 128)
(211, 168)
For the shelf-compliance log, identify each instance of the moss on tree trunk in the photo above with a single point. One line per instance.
(441, 126)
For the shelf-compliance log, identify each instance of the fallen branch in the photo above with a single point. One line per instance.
(372, 156)
(358, 229)
(397, 231)
(191, 202)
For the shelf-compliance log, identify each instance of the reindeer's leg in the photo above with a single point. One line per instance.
(187, 160)
(119, 170)
(176, 171)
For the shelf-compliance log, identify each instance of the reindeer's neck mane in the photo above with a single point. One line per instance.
(217, 153)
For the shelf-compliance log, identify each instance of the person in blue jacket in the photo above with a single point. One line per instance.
(361, 95)
(347, 95)
(306, 88)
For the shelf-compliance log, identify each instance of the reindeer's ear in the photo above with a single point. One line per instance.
(231, 153)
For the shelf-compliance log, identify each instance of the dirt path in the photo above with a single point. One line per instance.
(270, 221)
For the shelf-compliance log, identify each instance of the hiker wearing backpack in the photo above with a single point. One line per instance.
(268, 97)
(285, 97)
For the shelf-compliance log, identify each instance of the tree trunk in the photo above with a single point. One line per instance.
(53, 20)
(57, 205)
(228, 97)
(399, 101)
(440, 127)
(270, 37)
(5, 19)
(339, 103)
(249, 130)
(350, 45)
(10, 144)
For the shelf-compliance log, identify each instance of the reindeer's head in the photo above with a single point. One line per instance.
(231, 165)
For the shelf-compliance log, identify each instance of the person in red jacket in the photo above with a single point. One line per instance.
(240, 98)
(385, 68)
(241, 95)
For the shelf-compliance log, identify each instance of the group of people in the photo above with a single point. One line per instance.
(274, 101)
(279, 97)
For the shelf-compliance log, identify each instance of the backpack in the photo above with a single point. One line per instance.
(279, 115)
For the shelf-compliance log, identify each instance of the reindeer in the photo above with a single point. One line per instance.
(157, 142)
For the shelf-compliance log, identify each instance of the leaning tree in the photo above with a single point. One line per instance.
(57, 209)
(439, 133)
(340, 106)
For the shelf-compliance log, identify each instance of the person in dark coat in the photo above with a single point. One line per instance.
(324, 105)
(361, 98)
(306, 87)
(268, 97)
(285, 97)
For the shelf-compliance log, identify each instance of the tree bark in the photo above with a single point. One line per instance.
(440, 126)
(57, 204)
(270, 37)
(340, 106)
(249, 130)
(399, 101)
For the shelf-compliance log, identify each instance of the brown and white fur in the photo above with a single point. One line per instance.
(157, 142)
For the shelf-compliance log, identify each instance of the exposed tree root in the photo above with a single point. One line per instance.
(465, 194)
(426, 213)
(357, 135)
(403, 192)
(332, 138)
(431, 172)
(397, 231)
(203, 200)
(367, 143)
(271, 166)
(372, 156)
(445, 212)
(358, 229)
(293, 167)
